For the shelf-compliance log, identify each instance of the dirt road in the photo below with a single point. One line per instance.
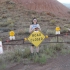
(59, 63)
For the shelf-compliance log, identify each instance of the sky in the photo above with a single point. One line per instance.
(64, 1)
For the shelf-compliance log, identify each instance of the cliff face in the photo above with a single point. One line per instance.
(49, 6)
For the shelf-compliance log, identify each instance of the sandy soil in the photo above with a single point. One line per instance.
(62, 62)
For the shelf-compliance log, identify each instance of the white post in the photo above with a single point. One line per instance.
(1, 48)
(57, 32)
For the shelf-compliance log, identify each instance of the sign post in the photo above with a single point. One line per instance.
(36, 38)
(1, 48)
(57, 32)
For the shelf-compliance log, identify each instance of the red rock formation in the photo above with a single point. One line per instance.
(49, 6)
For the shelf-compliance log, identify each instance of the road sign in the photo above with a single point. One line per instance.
(1, 48)
(46, 36)
(57, 29)
(36, 38)
(11, 33)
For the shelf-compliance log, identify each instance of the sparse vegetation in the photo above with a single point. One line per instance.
(23, 31)
(67, 25)
(42, 59)
(64, 30)
(9, 20)
(64, 19)
(50, 14)
(46, 52)
(50, 32)
(14, 56)
(20, 32)
(23, 18)
(52, 22)
(2, 66)
(69, 12)
(3, 24)
(4, 16)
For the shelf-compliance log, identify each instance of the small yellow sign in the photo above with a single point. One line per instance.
(57, 29)
(11, 33)
(36, 38)
(25, 39)
(46, 36)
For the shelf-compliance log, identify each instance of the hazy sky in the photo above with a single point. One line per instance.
(64, 1)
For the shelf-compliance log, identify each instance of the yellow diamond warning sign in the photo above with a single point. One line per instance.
(36, 38)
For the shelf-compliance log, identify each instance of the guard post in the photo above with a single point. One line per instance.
(1, 48)
(57, 32)
(12, 35)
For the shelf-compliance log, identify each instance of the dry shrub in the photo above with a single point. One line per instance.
(52, 22)
(50, 32)
(3, 24)
(50, 14)
(64, 30)
(4, 16)
(20, 32)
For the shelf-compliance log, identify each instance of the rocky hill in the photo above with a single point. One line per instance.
(49, 6)
(14, 16)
